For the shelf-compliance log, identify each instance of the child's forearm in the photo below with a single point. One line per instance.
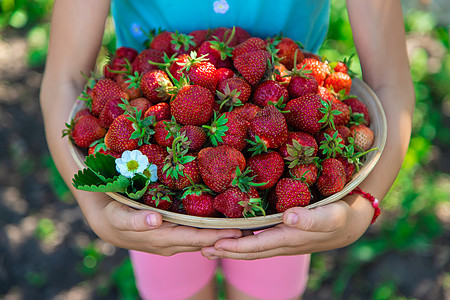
(75, 38)
(380, 41)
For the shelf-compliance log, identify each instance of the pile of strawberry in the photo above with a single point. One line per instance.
(236, 125)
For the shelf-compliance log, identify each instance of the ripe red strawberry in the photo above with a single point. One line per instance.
(306, 172)
(331, 143)
(141, 63)
(358, 107)
(363, 136)
(104, 150)
(165, 132)
(182, 43)
(110, 112)
(200, 35)
(270, 127)
(190, 173)
(345, 132)
(228, 129)
(332, 177)
(141, 104)
(270, 91)
(241, 35)
(196, 136)
(286, 52)
(159, 196)
(177, 65)
(218, 53)
(218, 166)
(201, 72)
(233, 92)
(344, 117)
(304, 113)
(222, 34)
(193, 105)
(252, 65)
(349, 168)
(326, 94)
(156, 155)
(319, 69)
(339, 81)
(281, 73)
(198, 201)
(199, 205)
(161, 111)
(291, 193)
(155, 86)
(163, 42)
(126, 52)
(235, 203)
(81, 113)
(307, 145)
(123, 80)
(247, 111)
(224, 73)
(266, 168)
(103, 91)
(341, 67)
(85, 131)
(118, 137)
(302, 84)
(250, 45)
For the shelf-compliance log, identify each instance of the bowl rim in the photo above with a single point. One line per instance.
(359, 88)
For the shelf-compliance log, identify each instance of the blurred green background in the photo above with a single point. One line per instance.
(405, 255)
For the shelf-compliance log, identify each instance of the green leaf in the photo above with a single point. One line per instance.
(87, 180)
(138, 186)
(103, 165)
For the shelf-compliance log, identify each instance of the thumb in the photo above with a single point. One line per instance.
(326, 218)
(128, 219)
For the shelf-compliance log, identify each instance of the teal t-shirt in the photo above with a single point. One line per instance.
(305, 21)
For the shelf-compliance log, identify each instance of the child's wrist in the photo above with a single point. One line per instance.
(374, 201)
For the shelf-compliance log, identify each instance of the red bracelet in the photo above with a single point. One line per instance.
(372, 199)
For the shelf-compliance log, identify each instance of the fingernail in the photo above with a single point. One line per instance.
(291, 219)
(212, 257)
(151, 220)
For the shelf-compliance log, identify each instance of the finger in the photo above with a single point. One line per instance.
(212, 253)
(195, 237)
(126, 218)
(270, 239)
(328, 218)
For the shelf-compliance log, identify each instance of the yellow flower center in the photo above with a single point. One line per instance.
(132, 165)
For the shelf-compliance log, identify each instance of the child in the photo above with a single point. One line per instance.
(276, 267)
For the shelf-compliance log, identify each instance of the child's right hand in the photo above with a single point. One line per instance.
(144, 230)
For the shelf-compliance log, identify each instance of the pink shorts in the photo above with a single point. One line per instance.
(183, 275)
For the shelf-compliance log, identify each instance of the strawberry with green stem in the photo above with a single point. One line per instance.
(84, 131)
(129, 131)
(291, 192)
(233, 92)
(197, 200)
(159, 196)
(265, 169)
(179, 165)
(269, 91)
(217, 51)
(218, 166)
(332, 177)
(200, 71)
(234, 203)
(331, 143)
(182, 43)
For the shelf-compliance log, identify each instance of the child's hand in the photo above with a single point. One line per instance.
(303, 231)
(144, 230)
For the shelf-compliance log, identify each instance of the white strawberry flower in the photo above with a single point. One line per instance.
(131, 163)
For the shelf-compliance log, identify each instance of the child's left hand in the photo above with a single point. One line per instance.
(303, 231)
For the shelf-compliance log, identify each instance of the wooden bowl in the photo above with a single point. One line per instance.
(378, 125)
